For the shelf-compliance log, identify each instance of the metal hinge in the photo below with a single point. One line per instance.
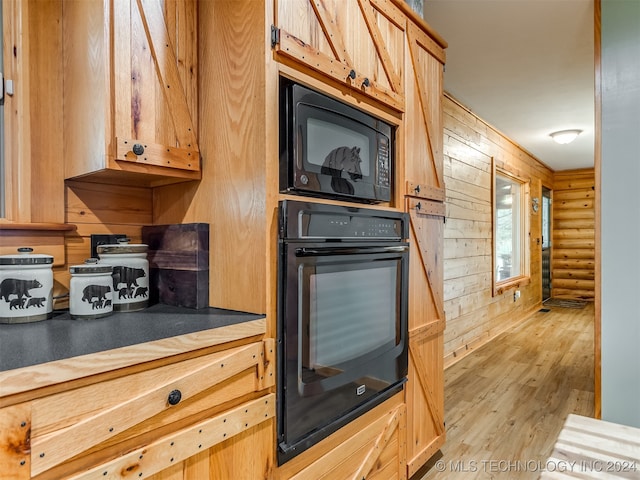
(275, 36)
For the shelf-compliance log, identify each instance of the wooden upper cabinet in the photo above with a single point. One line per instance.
(360, 43)
(130, 91)
(423, 121)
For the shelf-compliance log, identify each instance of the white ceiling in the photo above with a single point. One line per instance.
(526, 67)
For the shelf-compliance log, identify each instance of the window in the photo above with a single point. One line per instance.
(510, 220)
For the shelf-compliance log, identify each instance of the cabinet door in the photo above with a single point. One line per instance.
(359, 44)
(147, 421)
(154, 81)
(423, 122)
(424, 190)
(372, 447)
(130, 85)
(425, 388)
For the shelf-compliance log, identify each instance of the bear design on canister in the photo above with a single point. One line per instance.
(15, 292)
(92, 293)
(96, 296)
(343, 159)
(126, 275)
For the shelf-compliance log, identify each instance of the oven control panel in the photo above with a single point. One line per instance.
(343, 226)
(317, 221)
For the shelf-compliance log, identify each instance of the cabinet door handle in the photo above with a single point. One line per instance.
(138, 149)
(352, 74)
(174, 397)
(366, 82)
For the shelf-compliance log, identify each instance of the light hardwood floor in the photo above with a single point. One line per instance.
(505, 403)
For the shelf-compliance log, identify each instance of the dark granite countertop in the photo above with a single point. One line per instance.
(61, 337)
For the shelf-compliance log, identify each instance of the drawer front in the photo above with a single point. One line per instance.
(88, 425)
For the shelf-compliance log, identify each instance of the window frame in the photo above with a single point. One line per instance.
(524, 276)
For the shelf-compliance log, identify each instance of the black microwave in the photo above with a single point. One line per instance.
(331, 149)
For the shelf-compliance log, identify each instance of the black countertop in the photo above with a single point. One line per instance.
(27, 344)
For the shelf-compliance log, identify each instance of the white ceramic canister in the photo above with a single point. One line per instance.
(91, 290)
(130, 274)
(26, 287)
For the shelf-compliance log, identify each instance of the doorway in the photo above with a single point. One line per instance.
(546, 244)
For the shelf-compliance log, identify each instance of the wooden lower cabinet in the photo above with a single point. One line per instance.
(221, 426)
(372, 447)
(191, 419)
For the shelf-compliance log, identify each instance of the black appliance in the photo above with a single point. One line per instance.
(342, 317)
(331, 149)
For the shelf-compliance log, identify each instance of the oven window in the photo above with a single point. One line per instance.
(351, 314)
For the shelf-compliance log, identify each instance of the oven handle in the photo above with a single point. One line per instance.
(315, 252)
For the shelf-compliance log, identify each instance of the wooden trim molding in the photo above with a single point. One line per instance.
(38, 227)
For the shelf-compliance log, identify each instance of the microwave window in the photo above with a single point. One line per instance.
(328, 140)
(352, 313)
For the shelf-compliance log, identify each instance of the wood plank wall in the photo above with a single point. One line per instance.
(100, 209)
(474, 315)
(573, 247)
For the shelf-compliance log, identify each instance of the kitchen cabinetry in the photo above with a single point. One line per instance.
(186, 418)
(424, 196)
(241, 111)
(358, 44)
(371, 447)
(130, 91)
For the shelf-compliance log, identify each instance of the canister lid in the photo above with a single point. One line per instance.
(91, 265)
(25, 257)
(123, 246)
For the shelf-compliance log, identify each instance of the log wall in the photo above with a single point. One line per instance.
(573, 247)
(474, 315)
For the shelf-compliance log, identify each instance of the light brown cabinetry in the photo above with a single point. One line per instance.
(358, 44)
(130, 91)
(240, 201)
(384, 41)
(186, 417)
(371, 447)
(424, 196)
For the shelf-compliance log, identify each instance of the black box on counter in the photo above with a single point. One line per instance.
(178, 264)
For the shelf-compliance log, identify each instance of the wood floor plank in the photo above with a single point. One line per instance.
(505, 404)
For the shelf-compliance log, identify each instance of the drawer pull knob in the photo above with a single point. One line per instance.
(174, 397)
(138, 149)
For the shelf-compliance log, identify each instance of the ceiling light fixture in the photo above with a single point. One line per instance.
(565, 136)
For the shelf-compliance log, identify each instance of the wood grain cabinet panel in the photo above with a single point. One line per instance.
(423, 122)
(130, 91)
(144, 422)
(372, 447)
(381, 40)
(359, 44)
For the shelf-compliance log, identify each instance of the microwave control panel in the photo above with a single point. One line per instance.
(383, 161)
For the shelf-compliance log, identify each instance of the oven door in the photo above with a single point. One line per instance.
(343, 335)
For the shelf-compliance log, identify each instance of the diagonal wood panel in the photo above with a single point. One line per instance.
(426, 383)
(339, 64)
(416, 46)
(61, 445)
(172, 449)
(331, 32)
(379, 445)
(429, 260)
(167, 71)
(352, 459)
(376, 36)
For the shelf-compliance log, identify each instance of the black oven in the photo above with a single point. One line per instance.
(342, 317)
